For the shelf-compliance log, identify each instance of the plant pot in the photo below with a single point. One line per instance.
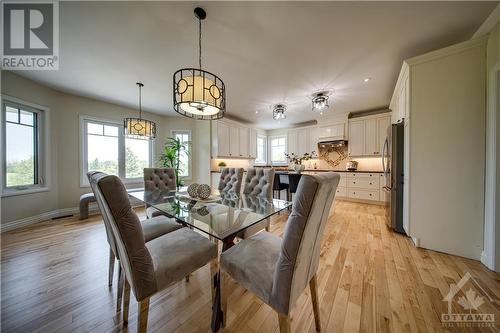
(299, 168)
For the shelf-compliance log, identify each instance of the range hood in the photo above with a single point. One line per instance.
(332, 143)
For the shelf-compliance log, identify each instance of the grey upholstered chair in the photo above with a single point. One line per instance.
(278, 270)
(230, 180)
(258, 182)
(153, 266)
(158, 179)
(151, 228)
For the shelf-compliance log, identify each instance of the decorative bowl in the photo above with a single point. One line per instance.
(204, 191)
(193, 190)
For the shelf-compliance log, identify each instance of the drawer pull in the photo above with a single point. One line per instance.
(354, 182)
(371, 183)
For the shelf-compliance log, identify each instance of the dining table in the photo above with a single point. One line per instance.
(222, 217)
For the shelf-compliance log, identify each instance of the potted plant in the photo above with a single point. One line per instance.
(221, 165)
(171, 157)
(298, 159)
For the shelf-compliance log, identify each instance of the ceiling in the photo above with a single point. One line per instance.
(266, 52)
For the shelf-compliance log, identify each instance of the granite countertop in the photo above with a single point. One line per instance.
(320, 170)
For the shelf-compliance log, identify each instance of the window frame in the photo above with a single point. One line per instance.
(264, 162)
(84, 182)
(190, 157)
(270, 149)
(42, 148)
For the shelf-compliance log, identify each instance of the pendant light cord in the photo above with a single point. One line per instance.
(140, 101)
(199, 42)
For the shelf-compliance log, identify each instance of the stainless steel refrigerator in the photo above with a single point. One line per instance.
(392, 162)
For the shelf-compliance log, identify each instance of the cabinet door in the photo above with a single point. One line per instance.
(313, 140)
(356, 138)
(252, 144)
(303, 141)
(222, 139)
(243, 135)
(234, 141)
(292, 142)
(382, 127)
(371, 137)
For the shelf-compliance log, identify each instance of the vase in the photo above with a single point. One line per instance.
(299, 168)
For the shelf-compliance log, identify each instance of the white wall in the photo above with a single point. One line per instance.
(65, 110)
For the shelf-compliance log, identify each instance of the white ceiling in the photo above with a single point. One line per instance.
(266, 52)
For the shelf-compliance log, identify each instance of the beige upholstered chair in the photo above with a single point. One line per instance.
(278, 270)
(151, 228)
(158, 179)
(230, 180)
(153, 266)
(259, 183)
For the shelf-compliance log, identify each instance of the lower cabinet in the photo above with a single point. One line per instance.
(360, 186)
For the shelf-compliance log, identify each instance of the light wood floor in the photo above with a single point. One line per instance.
(54, 279)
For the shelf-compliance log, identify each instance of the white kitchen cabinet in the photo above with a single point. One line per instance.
(243, 136)
(234, 141)
(313, 140)
(252, 144)
(332, 132)
(292, 142)
(367, 134)
(371, 137)
(222, 139)
(356, 138)
(303, 141)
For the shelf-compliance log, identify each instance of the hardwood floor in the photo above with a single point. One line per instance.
(54, 279)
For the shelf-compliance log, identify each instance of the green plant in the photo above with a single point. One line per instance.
(171, 156)
(222, 164)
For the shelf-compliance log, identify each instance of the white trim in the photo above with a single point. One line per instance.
(261, 136)
(490, 243)
(44, 149)
(190, 166)
(489, 23)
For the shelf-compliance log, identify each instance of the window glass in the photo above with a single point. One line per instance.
(11, 114)
(261, 150)
(102, 151)
(27, 118)
(184, 165)
(136, 157)
(278, 148)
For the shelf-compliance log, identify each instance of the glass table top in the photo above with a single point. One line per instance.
(222, 216)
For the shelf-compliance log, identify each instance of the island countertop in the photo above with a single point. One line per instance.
(317, 170)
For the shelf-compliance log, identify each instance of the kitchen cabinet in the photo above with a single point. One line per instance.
(303, 141)
(222, 139)
(332, 132)
(291, 142)
(234, 141)
(367, 134)
(243, 141)
(252, 144)
(356, 137)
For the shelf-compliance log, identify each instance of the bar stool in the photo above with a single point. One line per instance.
(279, 185)
(293, 183)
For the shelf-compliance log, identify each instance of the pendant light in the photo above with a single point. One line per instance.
(279, 112)
(197, 93)
(139, 128)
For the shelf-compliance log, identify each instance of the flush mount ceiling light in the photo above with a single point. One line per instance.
(139, 128)
(320, 101)
(197, 93)
(279, 112)
(367, 79)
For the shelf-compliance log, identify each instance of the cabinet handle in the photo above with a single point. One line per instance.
(354, 182)
(370, 194)
(371, 184)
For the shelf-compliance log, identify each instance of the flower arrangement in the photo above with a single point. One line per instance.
(298, 159)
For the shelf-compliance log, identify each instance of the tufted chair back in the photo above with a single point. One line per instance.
(230, 180)
(159, 179)
(259, 181)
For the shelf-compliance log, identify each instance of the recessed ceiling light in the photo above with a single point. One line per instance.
(256, 112)
(367, 79)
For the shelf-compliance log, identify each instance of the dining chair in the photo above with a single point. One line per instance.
(278, 270)
(230, 180)
(259, 183)
(158, 179)
(152, 266)
(151, 228)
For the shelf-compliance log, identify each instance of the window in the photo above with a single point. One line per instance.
(278, 149)
(185, 157)
(261, 150)
(106, 149)
(22, 147)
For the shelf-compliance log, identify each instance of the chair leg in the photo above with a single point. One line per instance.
(214, 270)
(314, 297)
(126, 300)
(142, 313)
(111, 267)
(224, 295)
(284, 321)
(119, 291)
(268, 225)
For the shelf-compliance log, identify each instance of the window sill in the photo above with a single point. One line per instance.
(13, 192)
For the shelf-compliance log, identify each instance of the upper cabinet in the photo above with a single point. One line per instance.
(230, 139)
(331, 132)
(367, 134)
(400, 102)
